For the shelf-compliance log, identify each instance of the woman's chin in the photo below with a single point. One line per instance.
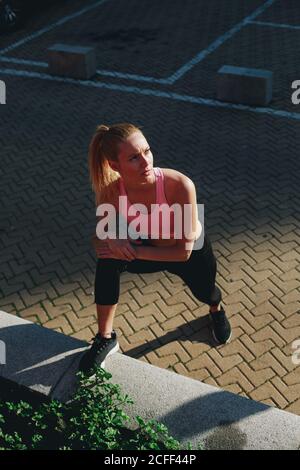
(148, 175)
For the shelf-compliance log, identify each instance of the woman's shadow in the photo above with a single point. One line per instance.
(197, 331)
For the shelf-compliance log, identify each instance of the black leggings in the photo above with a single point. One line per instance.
(198, 272)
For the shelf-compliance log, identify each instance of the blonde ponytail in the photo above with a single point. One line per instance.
(104, 146)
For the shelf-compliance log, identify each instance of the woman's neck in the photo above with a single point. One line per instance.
(139, 188)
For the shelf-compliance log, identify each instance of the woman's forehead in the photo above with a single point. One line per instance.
(134, 143)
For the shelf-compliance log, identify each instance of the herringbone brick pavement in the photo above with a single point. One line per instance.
(246, 171)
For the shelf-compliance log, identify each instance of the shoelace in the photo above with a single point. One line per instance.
(100, 343)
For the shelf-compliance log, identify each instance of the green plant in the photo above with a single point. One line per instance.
(92, 419)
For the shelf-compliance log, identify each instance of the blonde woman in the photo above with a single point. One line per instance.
(123, 177)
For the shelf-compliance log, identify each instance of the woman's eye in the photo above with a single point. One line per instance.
(137, 156)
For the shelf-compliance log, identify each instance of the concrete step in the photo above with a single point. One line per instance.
(47, 361)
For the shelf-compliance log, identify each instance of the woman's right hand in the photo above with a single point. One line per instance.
(115, 248)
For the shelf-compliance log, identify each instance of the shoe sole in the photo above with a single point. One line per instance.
(217, 341)
(114, 350)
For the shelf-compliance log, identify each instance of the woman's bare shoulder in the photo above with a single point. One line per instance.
(174, 175)
(174, 181)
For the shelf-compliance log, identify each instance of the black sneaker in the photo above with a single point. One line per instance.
(100, 350)
(221, 328)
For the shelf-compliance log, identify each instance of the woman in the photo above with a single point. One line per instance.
(123, 176)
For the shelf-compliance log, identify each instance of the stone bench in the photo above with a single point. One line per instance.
(72, 61)
(244, 85)
(47, 361)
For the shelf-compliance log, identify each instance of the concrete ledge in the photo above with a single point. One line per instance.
(244, 85)
(72, 61)
(194, 411)
(37, 357)
(47, 361)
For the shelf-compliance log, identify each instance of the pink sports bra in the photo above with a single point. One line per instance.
(159, 223)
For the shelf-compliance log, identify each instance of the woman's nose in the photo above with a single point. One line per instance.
(144, 161)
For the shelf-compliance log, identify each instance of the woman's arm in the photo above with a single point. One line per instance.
(106, 241)
(185, 195)
(158, 253)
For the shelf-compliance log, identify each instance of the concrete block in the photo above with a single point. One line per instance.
(244, 85)
(72, 61)
(37, 357)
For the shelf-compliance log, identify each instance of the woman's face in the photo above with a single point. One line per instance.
(135, 160)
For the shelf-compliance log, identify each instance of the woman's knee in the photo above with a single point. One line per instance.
(202, 262)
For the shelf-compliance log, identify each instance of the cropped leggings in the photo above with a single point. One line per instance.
(198, 272)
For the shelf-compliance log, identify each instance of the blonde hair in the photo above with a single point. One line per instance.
(104, 146)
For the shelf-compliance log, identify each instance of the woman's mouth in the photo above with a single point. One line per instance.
(147, 172)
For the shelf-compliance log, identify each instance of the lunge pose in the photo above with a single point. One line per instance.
(130, 193)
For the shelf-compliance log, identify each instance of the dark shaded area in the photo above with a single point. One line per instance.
(219, 413)
(12, 391)
(125, 36)
(14, 14)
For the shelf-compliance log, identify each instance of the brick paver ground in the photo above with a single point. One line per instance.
(244, 165)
